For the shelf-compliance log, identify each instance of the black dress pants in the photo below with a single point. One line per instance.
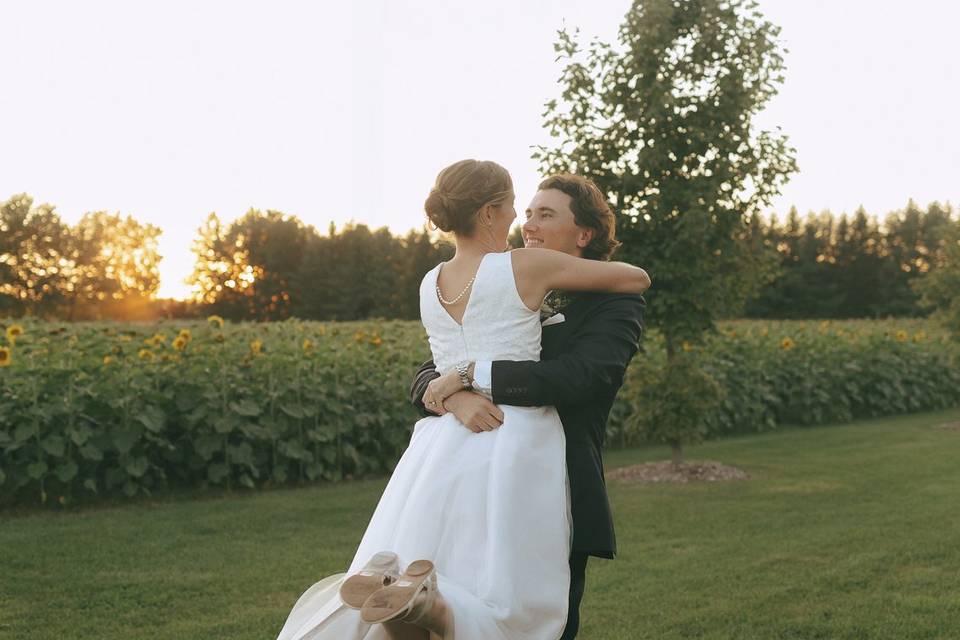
(578, 579)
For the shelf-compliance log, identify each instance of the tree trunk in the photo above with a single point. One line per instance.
(677, 449)
(675, 445)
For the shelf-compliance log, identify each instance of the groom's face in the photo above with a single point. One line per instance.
(551, 224)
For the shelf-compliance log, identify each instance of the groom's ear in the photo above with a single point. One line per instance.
(584, 237)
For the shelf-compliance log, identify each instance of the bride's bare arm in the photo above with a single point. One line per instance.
(538, 271)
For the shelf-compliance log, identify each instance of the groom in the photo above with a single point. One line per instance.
(588, 341)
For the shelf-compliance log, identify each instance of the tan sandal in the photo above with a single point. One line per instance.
(381, 570)
(409, 599)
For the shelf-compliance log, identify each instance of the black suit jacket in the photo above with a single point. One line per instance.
(583, 361)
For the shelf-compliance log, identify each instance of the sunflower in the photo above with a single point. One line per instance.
(215, 321)
(901, 336)
(787, 343)
(185, 334)
(307, 345)
(359, 336)
(145, 354)
(256, 347)
(179, 343)
(687, 346)
(919, 336)
(6, 356)
(14, 331)
(376, 341)
(156, 339)
(107, 360)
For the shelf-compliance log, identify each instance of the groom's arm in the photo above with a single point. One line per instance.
(423, 376)
(474, 410)
(595, 362)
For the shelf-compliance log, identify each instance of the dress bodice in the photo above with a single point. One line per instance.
(496, 325)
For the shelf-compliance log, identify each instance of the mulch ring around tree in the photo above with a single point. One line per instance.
(949, 426)
(697, 471)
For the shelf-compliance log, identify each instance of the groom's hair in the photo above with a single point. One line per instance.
(590, 210)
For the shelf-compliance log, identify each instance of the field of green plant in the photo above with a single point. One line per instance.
(102, 409)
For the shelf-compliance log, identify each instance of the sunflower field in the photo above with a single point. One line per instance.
(94, 409)
(796, 372)
(107, 409)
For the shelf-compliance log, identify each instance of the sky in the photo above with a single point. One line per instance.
(347, 111)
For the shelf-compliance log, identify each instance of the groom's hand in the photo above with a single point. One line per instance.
(474, 411)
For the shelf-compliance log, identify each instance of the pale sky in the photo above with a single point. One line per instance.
(338, 111)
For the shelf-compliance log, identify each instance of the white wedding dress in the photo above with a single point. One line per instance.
(490, 509)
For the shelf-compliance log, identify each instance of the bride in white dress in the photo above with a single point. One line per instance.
(483, 519)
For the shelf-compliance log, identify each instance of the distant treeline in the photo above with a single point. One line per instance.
(271, 266)
(104, 266)
(851, 267)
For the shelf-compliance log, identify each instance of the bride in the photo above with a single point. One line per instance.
(471, 537)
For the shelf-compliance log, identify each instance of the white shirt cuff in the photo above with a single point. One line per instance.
(482, 373)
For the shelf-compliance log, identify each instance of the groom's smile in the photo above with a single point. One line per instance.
(551, 224)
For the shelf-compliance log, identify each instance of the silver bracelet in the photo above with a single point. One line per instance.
(462, 368)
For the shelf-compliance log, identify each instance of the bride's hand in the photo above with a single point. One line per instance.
(439, 390)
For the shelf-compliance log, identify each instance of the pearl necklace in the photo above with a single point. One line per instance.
(457, 299)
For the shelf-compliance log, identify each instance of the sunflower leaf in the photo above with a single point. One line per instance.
(217, 472)
(91, 452)
(36, 469)
(124, 440)
(246, 407)
(54, 445)
(67, 472)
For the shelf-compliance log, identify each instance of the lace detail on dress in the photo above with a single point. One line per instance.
(496, 324)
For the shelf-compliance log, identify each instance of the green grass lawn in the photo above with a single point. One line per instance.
(842, 532)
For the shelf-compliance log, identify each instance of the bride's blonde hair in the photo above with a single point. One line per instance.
(461, 190)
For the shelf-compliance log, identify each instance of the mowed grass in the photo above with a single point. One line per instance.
(842, 532)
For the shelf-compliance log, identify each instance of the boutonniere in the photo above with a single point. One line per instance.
(554, 303)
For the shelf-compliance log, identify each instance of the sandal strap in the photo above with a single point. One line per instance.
(423, 602)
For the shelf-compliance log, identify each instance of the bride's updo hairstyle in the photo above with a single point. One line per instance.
(461, 190)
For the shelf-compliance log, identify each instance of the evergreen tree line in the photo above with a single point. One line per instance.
(268, 266)
(851, 267)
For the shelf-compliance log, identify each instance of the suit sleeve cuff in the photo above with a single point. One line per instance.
(482, 377)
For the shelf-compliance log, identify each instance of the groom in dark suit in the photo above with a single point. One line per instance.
(588, 341)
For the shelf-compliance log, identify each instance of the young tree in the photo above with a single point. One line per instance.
(662, 121)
